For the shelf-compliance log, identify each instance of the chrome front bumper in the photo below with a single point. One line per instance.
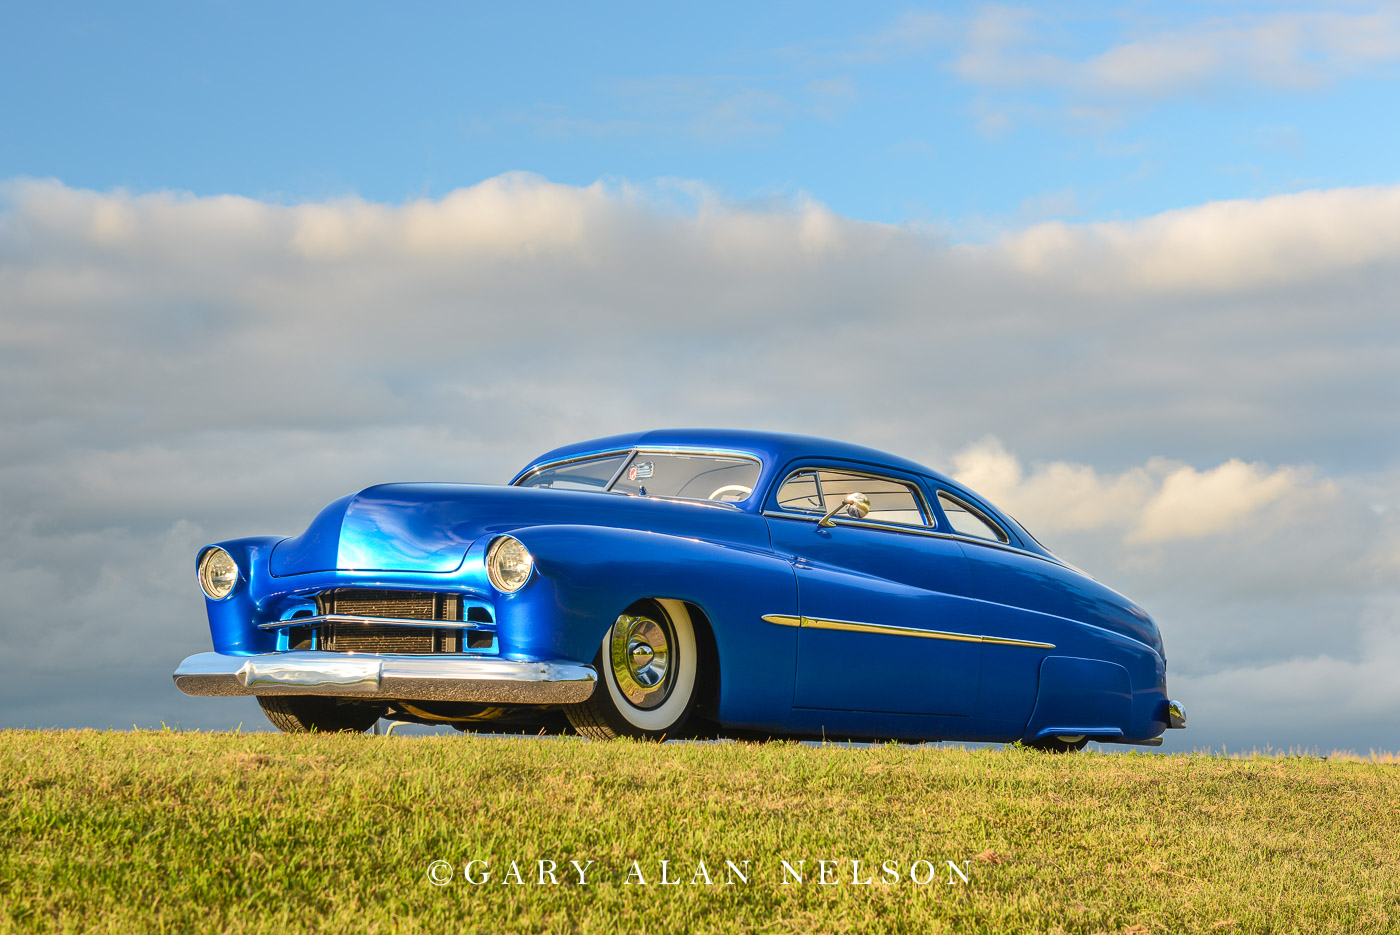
(387, 677)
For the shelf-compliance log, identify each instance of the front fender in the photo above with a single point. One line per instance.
(232, 621)
(586, 576)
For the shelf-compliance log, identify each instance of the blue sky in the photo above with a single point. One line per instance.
(971, 118)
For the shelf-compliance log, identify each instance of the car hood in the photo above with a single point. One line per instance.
(428, 528)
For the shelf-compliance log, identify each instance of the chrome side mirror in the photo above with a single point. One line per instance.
(855, 505)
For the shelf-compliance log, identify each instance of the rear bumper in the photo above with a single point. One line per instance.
(387, 677)
(1176, 715)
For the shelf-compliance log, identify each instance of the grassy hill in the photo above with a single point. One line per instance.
(146, 832)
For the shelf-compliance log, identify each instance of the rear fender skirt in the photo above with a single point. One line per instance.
(1081, 696)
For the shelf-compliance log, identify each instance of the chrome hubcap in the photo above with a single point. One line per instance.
(642, 655)
(641, 659)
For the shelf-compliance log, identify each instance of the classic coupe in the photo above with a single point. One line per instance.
(683, 582)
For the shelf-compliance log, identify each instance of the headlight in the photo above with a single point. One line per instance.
(218, 573)
(508, 564)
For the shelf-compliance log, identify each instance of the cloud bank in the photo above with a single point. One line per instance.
(1199, 408)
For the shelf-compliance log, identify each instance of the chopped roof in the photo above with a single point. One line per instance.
(774, 448)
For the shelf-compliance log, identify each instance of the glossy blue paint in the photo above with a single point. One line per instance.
(1082, 696)
(890, 576)
(1027, 643)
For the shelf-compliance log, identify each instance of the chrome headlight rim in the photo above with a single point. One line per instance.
(495, 555)
(207, 574)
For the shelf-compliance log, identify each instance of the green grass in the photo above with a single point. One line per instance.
(169, 831)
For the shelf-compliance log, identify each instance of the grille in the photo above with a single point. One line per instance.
(362, 638)
(410, 605)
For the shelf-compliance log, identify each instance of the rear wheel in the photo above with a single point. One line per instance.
(647, 665)
(1061, 743)
(302, 714)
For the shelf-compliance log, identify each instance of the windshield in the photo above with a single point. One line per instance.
(726, 479)
(593, 474)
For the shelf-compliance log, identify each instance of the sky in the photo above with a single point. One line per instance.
(1131, 273)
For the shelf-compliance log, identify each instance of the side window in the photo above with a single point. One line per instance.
(816, 491)
(966, 521)
(801, 493)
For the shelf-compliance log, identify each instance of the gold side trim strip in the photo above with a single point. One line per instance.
(818, 623)
(1004, 641)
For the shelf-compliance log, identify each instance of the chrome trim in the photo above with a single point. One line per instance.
(627, 457)
(821, 623)
(1176, 715)
(375, 621)
(930, 517)
(629, 453)
(698, 450)
(625, 453)
(926, 531)
(863, 523)
(493, 576)
(387, 677)
(1093, 733)
(204, 558)
(640, 656)
(855, 504)
(351, 675)
(1003, 538)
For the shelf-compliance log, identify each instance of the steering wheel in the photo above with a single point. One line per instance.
(731, 488)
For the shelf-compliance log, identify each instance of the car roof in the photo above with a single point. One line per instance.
(774, 448)
(777, 449)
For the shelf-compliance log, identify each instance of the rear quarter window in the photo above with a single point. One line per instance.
(967, 520)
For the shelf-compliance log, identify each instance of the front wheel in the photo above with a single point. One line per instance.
(303, 714)
(648, 667)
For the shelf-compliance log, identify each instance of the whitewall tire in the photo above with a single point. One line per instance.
(648, 666)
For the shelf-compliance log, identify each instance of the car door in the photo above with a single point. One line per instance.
(886, 621)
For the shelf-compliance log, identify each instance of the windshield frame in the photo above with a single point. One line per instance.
(628, 454)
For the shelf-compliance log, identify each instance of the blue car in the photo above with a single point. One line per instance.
(682, 583)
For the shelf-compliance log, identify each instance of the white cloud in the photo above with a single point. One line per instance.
(1055, 497)
(1156, 502)
(1005, 46)
(1245, 244)
(1202, 405)
(1192, 504)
